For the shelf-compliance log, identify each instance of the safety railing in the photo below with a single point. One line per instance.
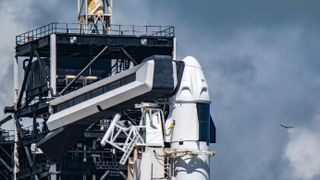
(75, 28)
(6, 135)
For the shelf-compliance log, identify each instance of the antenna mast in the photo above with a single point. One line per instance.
(94, 16)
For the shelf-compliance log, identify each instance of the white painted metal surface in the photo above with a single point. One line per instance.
(186, 126)
(150, 165)
(154, 132)
(132, 134)
(53, 63)
(98, 84)
(193, 87)
(182, 126)
(174, 52)
(192, 161)
(142, 85)
(183, 111)
(110, 130)
(15, 80)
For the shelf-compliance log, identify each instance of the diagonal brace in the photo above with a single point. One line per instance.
(25, 79)
(84, 69)
(129, 56)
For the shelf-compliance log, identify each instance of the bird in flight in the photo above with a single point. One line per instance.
(286, 126)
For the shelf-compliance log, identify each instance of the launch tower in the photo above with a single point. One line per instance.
(58, 58)
(103, 101)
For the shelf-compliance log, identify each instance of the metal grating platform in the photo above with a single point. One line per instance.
(115, 30)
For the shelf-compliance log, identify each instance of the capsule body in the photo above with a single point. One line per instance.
(190, 113)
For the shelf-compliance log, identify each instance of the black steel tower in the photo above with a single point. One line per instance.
(57, 59)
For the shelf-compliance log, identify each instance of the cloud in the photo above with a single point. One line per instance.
(258, 77)
(302, 152)
(261, 61)
(14, 17)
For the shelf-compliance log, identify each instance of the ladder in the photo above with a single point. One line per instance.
(129, 148)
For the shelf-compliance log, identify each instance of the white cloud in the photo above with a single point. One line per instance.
(302, 151)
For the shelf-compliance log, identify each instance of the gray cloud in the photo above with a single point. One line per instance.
(260, 59)
(248, 110)
(14, 16)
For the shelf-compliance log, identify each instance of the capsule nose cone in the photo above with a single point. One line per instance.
(191, 61)
(193, 86)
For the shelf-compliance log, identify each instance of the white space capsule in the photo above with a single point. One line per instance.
(190, 113)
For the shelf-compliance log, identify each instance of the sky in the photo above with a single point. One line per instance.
(261, 61)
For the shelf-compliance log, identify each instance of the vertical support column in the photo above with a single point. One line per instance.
(79, 8)
(80, 20)
(85, 152)
(15, 151)
(86, 20)
(174, 53)
(15, 80)
(53, 63)
(94, 147)
(15, 100)
(34, 124)
(53, 171)
(111, 9)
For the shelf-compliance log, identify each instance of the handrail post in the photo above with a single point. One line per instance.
(146, 30)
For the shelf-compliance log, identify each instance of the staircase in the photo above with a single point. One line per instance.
(129, 146)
